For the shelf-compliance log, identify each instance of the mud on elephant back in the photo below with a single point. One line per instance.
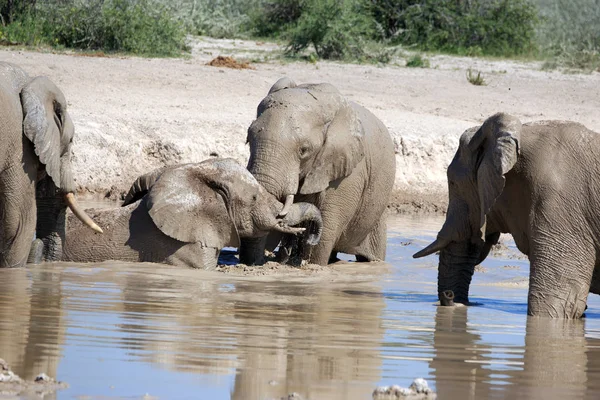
(36, 133)
(310, 144)
(185, 214)
(539, 182)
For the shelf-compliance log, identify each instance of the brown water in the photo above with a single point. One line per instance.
(116, 330)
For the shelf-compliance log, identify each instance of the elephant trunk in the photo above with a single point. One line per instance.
(273, 169)
(252, 250)
(51, 219)
(456, 267)
(307, 215)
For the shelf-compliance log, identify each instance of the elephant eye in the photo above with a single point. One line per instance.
(304, 150)
(254, 197)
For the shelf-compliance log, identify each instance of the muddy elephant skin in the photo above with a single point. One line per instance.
(36, 134)
(308, 143)
(539, 182)
(184, 215)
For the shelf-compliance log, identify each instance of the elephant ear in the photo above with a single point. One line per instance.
(187, 206)
(342, 150)
(282, 83)
(497, 146)
(48, 126)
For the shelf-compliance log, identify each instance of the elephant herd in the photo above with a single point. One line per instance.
(319, 178)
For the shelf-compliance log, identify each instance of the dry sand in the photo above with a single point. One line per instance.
(134, 114)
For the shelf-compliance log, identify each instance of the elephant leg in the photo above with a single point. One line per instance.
(17, 217)
(560, 276)
(373, 247)
(36, 253)
(595, 285)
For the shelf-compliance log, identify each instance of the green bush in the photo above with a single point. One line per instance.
(570, 32)
(142, 27)
(337, 29)
(417, 61)
(273, 17)
(221, 18)
(492, 27)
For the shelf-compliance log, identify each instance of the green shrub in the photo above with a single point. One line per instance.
(273, 17)
(142, 27)
(221, 18)
(337, 29)
(417, 61)
(570, 32)
(475, 78)
(493, 27)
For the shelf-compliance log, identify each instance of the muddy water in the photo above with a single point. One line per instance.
(127, 330)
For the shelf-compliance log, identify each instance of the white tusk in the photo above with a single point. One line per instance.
(289, 200)
(80, 214)
(437, 245)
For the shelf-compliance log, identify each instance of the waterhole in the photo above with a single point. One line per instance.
(116, 330)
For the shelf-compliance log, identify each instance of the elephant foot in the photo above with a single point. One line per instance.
(36, 253)
(447, 298)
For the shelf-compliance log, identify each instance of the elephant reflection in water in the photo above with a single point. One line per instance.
(453, 342)
(32, 322)
(315, 340)
(558, 362)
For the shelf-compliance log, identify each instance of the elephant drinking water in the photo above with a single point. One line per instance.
(540, 182)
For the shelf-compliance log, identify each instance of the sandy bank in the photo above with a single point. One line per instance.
(133, 114)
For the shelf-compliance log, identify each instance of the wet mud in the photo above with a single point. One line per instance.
(122, 330)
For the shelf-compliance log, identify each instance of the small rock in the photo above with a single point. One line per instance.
(43, 378)
(292, 396)
(419, 385)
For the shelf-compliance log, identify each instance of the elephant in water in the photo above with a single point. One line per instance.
(311, 144)
(36, 183)
(184, 215)
(540, 182)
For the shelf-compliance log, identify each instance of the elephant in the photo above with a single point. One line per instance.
(310, 143)
(184, 215)
(36, 182)
(537, 181)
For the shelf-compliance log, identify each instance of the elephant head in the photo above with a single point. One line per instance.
(476, 178)
(215, 202)
(48, 126)
(304, 138)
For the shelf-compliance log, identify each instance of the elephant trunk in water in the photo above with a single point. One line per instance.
(455, 270)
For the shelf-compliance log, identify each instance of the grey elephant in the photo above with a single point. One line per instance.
(538, 181)
(184, 215)
(309, 143)
(36, 133)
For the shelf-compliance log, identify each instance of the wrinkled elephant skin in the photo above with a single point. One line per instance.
(539, 182)
(36, 133)
(308, 143)
(184, 215)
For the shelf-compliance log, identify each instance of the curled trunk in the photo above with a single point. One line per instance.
(303, 215)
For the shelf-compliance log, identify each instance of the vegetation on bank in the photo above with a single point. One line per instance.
(566, 32)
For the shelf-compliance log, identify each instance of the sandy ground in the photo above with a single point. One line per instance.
(134, 114)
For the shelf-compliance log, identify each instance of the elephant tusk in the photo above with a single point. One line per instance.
(80, 214)
(289, 200)
(437, 245)
(281, 227)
